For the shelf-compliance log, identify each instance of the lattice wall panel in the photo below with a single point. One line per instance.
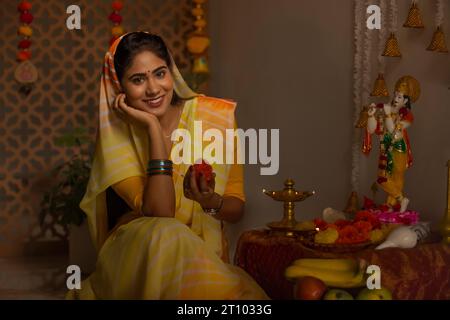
(66, 95)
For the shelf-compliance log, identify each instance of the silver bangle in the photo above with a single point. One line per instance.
(214, 211)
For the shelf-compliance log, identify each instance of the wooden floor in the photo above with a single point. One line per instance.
(33, 278)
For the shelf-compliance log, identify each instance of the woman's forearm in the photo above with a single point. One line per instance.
(159, 193)
(232, 208)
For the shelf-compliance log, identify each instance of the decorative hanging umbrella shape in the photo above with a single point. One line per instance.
(380, 88)
(414, 19)
(438, 42)
(392, 48)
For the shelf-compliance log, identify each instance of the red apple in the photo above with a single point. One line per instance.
(205, 169)
(309, 288)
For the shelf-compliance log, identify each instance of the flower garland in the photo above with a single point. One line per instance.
(25, 31)
(115, 17)
(393, 16)
(367, 62)
(357, 61)
(26, 73)
(440, 13)
(381, 37)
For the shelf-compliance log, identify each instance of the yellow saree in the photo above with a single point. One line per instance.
(152, 257)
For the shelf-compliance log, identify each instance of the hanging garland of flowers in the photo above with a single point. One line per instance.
(26, 18)
(357, 101)
(115, 17)
(26, 73)
(367, 62)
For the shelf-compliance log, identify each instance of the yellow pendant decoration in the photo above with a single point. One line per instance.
(200, 65)
(438, 42)
(414, 19)
(392, 48)
(380, 88)
(198, 42)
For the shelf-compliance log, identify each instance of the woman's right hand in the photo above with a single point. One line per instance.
(132, 115)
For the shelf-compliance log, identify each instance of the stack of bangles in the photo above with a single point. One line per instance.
(159, 166)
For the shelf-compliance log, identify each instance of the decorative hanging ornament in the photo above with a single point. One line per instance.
(26, 73)
(438, 41)
(198, 42)
(115, 17)
(380, 88)
(414, 19)
(392, 48)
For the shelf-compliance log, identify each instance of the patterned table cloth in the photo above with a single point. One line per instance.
(422, 272)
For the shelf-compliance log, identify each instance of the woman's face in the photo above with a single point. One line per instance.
(148, 84)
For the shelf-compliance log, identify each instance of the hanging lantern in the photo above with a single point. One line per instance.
(414, 19)
(380, 88)
(438, 42)
(392, 48)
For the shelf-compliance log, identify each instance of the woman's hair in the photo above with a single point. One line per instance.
(135, 43)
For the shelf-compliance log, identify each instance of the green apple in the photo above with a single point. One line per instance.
(337, 294)
(374, 294)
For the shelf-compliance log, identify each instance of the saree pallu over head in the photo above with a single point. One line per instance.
(122, 151)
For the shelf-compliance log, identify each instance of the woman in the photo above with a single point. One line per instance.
(170, 245)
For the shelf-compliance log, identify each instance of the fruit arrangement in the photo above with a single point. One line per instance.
(365, 228)
(317, 279)
(341, 273)
(204, 169)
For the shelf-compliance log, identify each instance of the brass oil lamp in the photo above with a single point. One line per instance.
(289, 196)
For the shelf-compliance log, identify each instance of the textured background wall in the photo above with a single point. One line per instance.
(65, 96)
(289, 65)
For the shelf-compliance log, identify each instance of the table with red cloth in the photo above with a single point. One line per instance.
(422, 272)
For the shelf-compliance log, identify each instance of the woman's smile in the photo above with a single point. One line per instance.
(155, 102)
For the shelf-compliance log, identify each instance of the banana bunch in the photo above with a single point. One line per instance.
(340, 273)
